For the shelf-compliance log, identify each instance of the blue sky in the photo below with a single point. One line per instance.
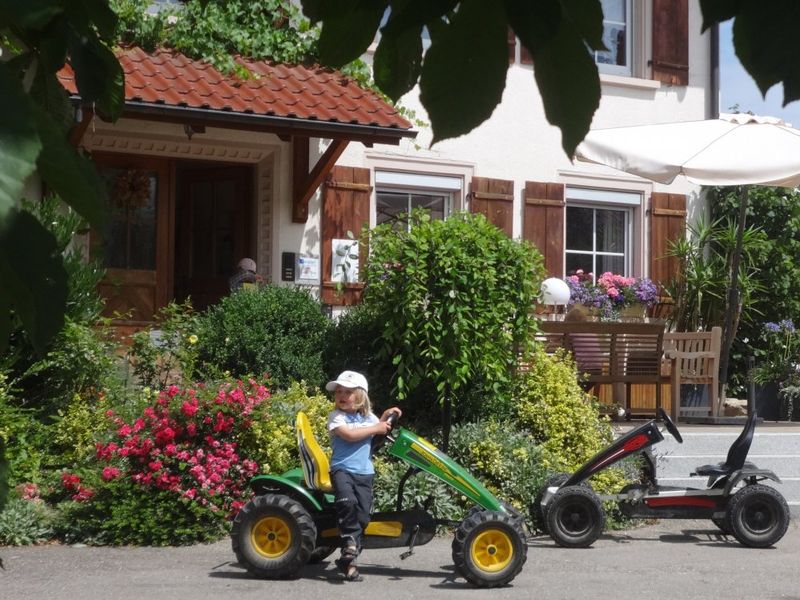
(736, 86)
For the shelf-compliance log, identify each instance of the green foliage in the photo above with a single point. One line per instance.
(274, 330)
(777, 214)
(700, 291)
(24, 438)
(3, 474)
(76, 429)
(455, 298)
(271, 440)
(169, 358)
(353, 343)
(23, 522)
(552, 407)
(35, 118)
(506, 460)
(123, 512)
(420, 490)
(790, 402)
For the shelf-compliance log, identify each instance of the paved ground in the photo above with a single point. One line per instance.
(667, 560)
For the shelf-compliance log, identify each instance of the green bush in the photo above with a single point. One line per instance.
(25, 439)
(23, 522)
(445, 502)
(562, 419)
(271, 440)
(455, 299)
(123, 512)
(353, 343)
(274, 330)
(506, 460)
(170, 359)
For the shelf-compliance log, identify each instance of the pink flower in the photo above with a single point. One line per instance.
(155, 465)
(110, 473)
(189, 409)
(124, 431)
(83, 495)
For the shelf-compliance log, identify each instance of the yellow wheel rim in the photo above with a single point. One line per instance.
(271, 537)
(492, 550)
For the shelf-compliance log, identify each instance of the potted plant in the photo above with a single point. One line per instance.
(612, 296)
(776, 369)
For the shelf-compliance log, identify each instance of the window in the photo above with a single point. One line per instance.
(598, 230)
(616, 37)
(398, 193)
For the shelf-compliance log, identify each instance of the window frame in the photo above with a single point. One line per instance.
(629, 212)
(626, 70)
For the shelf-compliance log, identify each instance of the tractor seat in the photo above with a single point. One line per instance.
(737, 453)
(313, 459)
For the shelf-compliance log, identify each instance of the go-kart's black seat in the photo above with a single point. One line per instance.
(737, 453)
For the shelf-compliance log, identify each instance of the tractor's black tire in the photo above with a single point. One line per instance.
(320, 553)
(722, 524)
(489, 548)
(538, 514)
(273, 536)
(757, 516)
(575, 517)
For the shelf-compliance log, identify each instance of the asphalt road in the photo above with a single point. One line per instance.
(669, 559)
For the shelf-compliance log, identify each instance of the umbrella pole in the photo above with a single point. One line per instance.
(732, 308)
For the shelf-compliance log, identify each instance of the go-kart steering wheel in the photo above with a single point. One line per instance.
(379, 440)
(662, 414)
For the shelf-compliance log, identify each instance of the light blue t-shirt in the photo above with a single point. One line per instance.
(352, 457)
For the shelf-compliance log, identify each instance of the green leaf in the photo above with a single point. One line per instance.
(33, 276)
(717, 11)
(764, 39)
(464, 72)
(29, 14)
(50, 95)
(569, 102)
(99, 13)
(398, 61)
(69, 174)
(587, 15)
(348, 28)
(3, 473)
(98, 75)
(19, 142)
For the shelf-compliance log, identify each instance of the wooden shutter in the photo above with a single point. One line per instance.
(345, 207)
(667, 223)
(543, 223)
(494, 199)
(512, 46)
(671, 41)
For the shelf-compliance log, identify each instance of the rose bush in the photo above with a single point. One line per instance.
(183, 450)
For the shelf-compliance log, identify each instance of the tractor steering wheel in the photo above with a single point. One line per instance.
(662, 414)
(379, 440)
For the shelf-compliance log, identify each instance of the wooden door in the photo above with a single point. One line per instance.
(134, 245)
(212, 230)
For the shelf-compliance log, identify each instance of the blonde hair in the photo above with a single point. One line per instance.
(361, 402)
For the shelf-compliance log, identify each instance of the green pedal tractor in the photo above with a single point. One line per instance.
(291, 521)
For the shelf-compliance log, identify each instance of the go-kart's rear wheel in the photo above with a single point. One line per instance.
(575, 517)
(273, 536)
(757, 516)
(489, 548)
(538, 514)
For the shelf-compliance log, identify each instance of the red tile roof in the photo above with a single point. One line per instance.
(323, 96)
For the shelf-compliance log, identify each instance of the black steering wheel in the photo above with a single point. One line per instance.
(662, 414)
(379, 440)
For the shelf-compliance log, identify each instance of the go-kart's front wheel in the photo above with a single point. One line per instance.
(489, 548)
(757, 516)
(575, 517)
(273, 536)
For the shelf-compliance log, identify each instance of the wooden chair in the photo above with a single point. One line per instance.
(695, 357)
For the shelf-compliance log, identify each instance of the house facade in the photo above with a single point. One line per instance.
(203, 170)
(659, 68)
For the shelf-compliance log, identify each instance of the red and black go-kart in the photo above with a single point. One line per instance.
(755, 514)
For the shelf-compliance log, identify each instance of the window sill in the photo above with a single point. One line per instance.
(629, 82)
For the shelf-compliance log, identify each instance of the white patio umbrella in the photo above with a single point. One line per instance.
(735, 149)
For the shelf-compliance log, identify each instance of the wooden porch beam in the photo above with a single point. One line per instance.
(305, 183)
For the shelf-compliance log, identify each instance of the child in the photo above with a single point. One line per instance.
(351, 427)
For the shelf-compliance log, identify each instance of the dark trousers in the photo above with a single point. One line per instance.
(353, 504)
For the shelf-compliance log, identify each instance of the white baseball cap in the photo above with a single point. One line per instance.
(348, 379)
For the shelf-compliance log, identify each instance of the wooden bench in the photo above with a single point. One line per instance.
(613, 353)
(695, 358)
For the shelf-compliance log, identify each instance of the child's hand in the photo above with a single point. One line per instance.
(382, 427)
(388, 412)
